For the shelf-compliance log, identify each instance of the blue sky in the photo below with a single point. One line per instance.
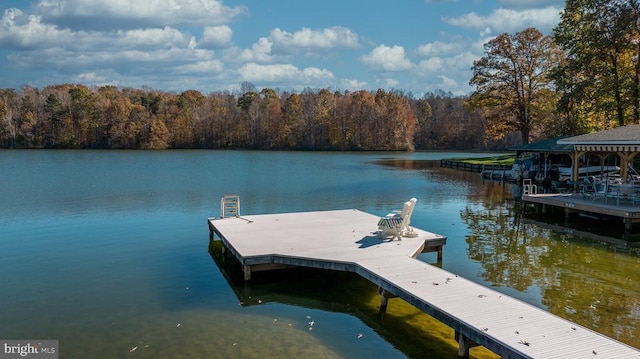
(174, 45)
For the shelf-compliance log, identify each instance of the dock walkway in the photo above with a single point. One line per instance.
(627, 210)
(346, 240)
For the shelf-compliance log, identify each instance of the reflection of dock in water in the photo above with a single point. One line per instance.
(615, 242)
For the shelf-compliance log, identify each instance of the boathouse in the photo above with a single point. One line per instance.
(549, 152)
(620, 199)
(623, 141)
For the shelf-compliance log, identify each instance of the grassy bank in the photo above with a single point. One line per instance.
(494, 160)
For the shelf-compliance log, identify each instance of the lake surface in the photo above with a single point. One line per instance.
(107, 252)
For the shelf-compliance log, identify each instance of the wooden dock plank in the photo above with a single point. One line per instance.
(578, 202)
(347, 240)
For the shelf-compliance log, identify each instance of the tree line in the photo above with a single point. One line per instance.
(77, 116)
(585, 77)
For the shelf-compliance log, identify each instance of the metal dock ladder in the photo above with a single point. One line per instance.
(230, 206)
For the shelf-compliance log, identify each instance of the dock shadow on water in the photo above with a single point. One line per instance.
(414, 333)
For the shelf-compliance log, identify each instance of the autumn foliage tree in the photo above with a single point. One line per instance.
(77, 116)
(513, 83)
(600, 79)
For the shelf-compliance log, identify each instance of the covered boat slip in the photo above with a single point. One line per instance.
(348, 240)
(614, 150)
(593, 196)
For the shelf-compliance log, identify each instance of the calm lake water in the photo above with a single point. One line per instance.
(107, 252)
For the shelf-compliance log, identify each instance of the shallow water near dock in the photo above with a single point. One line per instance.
(108, 252)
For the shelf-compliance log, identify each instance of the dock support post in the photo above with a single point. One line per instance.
(384, 299)
(464, 344)
(440, 254)
(247, 271)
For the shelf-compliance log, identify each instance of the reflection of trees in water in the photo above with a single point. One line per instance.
(589, 283)
(503, 247)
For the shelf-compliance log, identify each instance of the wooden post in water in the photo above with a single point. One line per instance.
(247, 271)
(384, 299)
(464, 344)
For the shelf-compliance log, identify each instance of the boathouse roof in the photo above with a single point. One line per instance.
(623, 138)
(550, 146)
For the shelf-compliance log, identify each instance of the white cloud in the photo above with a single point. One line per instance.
(438, 48)
(449, 73)
(390, 83)
(448, 83)
(30, 33)
(210, 66)
(253, 72)
(328, 38)
(19, 30)
(280, 45)
(387, 58)
(149, 38)
(506, 20)
(146, 51)
(430, 66)
(92, 14)
(90, 77)
(314, 73)
(216, 36)
(352, 85)
(260, 51)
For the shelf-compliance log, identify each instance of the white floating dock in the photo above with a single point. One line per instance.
(346, 240)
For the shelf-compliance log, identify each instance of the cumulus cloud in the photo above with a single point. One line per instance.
(88, 55)
(151, 38)
(449, 73)
(507, 20)
(275, 73)
(216, 36)
(447, 83)
(387, 58)
(29, 32)
(22, 31)
(100, 14)
(439, 48)
(91, 77)
(390, 83)
(260, 52)
(280, 45)
(352, 85)
(328, 38)
(201, 67)
(431, 66)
